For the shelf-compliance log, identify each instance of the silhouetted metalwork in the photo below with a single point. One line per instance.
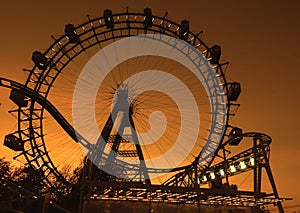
(185, 185)
(63, 51)
(40, 60)
(71, 34)
(122, 109)
(216, 175)
(18, 98)
(148, 17)
(234, 91)
(184, 30)
(108, 18)
(215, 54)
(13, 142)
(235, 136)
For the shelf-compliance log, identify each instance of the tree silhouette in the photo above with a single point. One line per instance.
(7, 193)
(69, 197)
(22, 189)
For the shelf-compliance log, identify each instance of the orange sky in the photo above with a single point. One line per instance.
(259, 38)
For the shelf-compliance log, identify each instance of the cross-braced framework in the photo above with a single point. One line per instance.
(185, 182)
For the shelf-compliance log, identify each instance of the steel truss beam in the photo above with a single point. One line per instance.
(254, 159)
(132, 191)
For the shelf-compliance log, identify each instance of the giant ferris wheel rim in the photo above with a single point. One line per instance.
(57, 51)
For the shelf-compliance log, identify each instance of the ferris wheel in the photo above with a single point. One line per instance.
(140, 95)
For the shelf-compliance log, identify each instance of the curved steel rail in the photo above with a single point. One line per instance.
(43, 102)
(61, 120)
